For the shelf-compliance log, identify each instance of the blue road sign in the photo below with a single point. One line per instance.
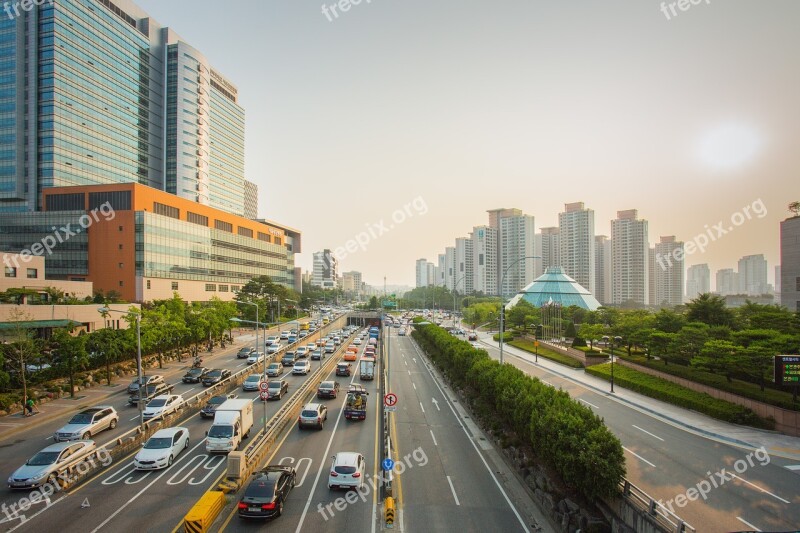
(387, 464)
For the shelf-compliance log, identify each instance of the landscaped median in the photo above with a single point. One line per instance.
(674, 394)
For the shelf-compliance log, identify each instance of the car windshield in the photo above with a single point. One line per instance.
(221, 432)
(160, 402)
(252, 379)
(43, 458)
(274, 366)
(158, 443)
(195, 371)
(216, 400)
(274, 385)
(326, 385)
(260, 488)
(81, 418)
(215, 373)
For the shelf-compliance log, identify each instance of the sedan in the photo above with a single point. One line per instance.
(195, 375)
(284, 335)
(357, 341)
(274, 370)
(161, 406)
(87, 423)
(301, 352)
(162, 448)
(276, 389)
(316, 355)
(215, 376)
(210, 407)
(266, 494)
(255, 357)
(147, 380)
(302, 367)
(251, 382)
(48, 463)
(328, 389)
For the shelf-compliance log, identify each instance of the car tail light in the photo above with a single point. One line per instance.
(268, 506)
(334, 474)
(242, 505)
(319, 419)
(357, 474)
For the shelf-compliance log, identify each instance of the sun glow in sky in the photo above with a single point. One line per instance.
(475, 105)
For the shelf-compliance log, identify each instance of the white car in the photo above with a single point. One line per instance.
(301, 352)
(272, 340)
(87, 423)
(163, 405)
(255, 357)
(302, 367)
(162, 448)
(284, 335)
(347, 471)
(357, 341)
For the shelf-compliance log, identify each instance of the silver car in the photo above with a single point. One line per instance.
(88, 423)
(48, 463)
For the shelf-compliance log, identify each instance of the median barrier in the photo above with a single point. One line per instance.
(389, 509)
(204, 512)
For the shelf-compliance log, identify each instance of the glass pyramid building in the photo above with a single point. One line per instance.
(554, 287)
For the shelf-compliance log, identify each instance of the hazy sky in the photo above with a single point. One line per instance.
(464, 106)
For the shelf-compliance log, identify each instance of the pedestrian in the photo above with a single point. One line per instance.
(29, 405)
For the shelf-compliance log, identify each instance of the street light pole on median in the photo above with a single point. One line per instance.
(264, 378)
(105, 310)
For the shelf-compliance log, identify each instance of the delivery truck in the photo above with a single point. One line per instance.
(366, 368)
(232, 423)
(355, 406)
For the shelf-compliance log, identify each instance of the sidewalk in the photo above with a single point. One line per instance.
(63, 407)
(776, 444)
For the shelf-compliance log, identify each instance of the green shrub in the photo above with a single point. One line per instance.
(528, 346)
(9, 399)
(673, 393)
(565, 435)
(507, 336)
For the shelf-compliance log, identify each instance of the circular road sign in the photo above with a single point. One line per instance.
(263, 386)
(264, 395)
(390, 399)
(387, 464)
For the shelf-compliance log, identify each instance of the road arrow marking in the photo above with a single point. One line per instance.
(436, 403)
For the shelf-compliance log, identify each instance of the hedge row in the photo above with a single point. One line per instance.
(564, 435)
(771, 396)
(528, 346)
(675, 394)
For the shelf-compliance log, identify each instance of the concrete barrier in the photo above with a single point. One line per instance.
(389, 509)
(204, 512)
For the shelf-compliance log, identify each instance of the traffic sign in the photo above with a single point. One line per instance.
(390, 409)
(387, 464)
(390, 399)
(264, 395)
(263, 386)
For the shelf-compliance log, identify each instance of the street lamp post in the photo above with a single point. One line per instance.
(502, 301)
(454, 297)
(104, 311)
(612, 340)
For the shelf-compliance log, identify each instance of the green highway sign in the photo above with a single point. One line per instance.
(389, 303)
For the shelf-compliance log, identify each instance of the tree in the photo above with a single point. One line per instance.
(108, 344)
(71, 353)
(794, 207)
(718, 357)
(669, 321)
(21, 349)
(757, 316)
(709, 309)
(689, 341)
(517, 315)
(660, 345)
(591, 332)
(757, 363)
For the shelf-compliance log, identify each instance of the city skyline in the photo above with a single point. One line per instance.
(530, 104)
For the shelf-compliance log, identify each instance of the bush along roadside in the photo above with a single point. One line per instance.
(566, 437)
(664, 390)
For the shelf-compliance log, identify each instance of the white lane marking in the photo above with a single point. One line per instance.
(184, 392)
(414, 385)
(166, 470)
(453, 490)
(405, 362)
(420, 406)
(475, 446)
(134, 418)
(209, 462)
(322, 466)
(48, 438)
(762, 490)
(434, 439)
(409, 372)
(793, 467)
(645, 431)
(34, 515)
(297, 467)
(436, 403)
(587, 403)
(638, 456)
(748, 524)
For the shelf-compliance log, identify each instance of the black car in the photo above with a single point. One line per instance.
(266, 494)
(215, 401)
(289, 359)
(328, 389)
(215, 376)
(149, 392)
(194, 375)
(343, 369)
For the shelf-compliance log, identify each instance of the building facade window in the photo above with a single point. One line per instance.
(174, 285)
(148, 283)
(33, 273)
(166, 210)
(194, 218)
(223, 288)
(245, 232)
(11, 272)
(223, 226)
(211, 287)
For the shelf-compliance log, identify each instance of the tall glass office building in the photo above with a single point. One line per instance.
(96, 92)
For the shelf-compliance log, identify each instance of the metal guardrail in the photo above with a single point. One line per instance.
(662, 515)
